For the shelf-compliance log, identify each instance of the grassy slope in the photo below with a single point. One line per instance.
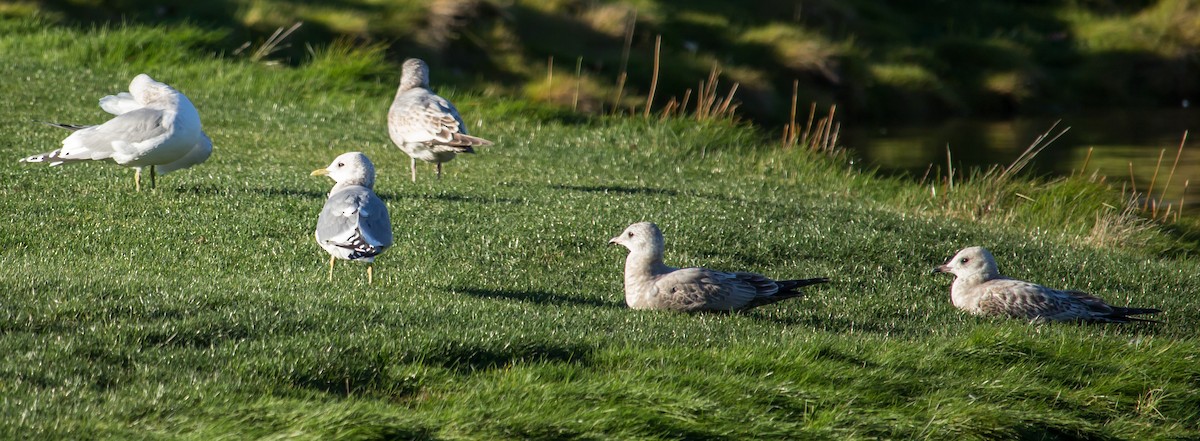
(202, 311)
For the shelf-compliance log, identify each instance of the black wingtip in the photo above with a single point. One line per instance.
(791, 285)
(1124, 315)
(71, 127)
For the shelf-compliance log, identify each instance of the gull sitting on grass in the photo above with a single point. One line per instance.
(649, 284)
(424, 125)
(980, 289)
(155, 126)
(354, 223)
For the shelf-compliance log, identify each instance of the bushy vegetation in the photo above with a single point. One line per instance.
(886, 60)
(201, 310)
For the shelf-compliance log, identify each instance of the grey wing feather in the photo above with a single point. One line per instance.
(693, 289)
(356, 219)
(135, 126)
(131, 127)
(198, 154)
(97, 142)
(375, 224)
(1020, 299)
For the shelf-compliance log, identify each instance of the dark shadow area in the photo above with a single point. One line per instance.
(827, 324)
(1045, 431)
(616, 189)
(449, 198)
(214, 15)
(469, 358)
(344, 381)
(538, 297)
(192, 338)
(629, 190)
(905, 60)
(213, 190)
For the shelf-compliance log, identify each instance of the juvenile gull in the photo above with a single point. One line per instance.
(649, 284)
(354, 223)
(980, 289)
(154, 126)
(424, 125)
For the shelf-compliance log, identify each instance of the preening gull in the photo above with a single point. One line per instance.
(980, 289)
(424, 125)
(354, 223)
(649, 284)
(154, 126)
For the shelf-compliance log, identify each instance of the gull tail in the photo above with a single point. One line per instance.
(52, 157)
(360, 248)
(464, 143)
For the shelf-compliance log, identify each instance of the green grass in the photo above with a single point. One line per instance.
(201, 310)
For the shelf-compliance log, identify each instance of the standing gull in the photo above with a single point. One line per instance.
(354, 223)
(980, 289)
(649, 284)
(154, 126)
(424, 125)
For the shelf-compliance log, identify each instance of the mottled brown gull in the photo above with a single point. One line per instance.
(650, 284)
(425, 125)
(980, 289)
(154, 126)
(354, 223)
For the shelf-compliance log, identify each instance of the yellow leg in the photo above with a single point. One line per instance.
(137, 178)
(369, 270)
(414, 169)
(331, 260)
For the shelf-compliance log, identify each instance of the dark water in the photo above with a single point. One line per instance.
(1117, 139)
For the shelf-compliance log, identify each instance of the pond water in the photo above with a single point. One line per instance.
(1118, 141)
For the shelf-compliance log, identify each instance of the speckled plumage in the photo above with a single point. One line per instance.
(425, 125)
(650, 284)
(980, 289)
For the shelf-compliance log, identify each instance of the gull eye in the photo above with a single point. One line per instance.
(630, 234)
(964, 260)
(341, 164)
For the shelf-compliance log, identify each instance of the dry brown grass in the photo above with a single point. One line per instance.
(823, 138)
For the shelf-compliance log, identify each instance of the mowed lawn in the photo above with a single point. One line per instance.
(201, 310)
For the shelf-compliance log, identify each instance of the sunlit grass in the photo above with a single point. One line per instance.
(201, 310)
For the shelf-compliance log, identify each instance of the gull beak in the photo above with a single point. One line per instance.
(319, 172)
(613, 241)
(940, 269)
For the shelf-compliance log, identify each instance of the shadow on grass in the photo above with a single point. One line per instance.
(827, 324)
(466, 358)
(616, 189)
(539, 297)
(213, 190)
(345, 380)
(633, 191)
(450, 198)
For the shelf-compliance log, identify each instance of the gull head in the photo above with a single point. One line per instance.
(351, 168)
(145, 90)
(973, 261)
(414, 73)
(642, 236)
